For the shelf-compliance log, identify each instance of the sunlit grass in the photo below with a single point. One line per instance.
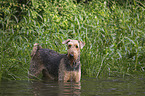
(114, 37)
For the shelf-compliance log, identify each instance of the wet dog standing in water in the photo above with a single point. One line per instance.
(55, 66)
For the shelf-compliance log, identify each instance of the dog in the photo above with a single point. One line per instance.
(56, 66)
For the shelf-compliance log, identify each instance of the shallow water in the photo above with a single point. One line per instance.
(87, 87)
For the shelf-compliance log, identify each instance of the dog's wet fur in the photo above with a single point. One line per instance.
(56, 66)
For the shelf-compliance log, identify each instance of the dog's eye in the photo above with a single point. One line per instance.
(77, 46)
(69, 46)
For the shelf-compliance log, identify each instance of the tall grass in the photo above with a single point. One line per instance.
(114, 35)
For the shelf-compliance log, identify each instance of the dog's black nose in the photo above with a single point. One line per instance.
(71, 55)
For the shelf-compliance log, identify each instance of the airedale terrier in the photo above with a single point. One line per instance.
(55, 66)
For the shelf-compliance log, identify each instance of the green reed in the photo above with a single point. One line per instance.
(114, 35)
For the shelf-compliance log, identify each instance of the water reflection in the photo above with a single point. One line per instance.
(70, 88)
(53, 88)
(88, 87)
(113, 86)
(15, 88)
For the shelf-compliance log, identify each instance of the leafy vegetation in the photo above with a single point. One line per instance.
(114, 35)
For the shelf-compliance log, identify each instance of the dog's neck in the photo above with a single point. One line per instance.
(73, 64)
(73, 61)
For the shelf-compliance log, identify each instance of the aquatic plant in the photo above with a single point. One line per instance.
(114, 35)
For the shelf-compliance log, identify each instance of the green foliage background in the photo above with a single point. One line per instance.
(113, 31)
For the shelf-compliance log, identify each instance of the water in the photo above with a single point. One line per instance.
(111, 86)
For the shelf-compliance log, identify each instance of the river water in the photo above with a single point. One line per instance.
(112, 86)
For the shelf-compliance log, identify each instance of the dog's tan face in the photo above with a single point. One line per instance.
(74, 47)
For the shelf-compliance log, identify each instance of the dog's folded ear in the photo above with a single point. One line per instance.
(35, 49)
(82, 44)
(66, 41)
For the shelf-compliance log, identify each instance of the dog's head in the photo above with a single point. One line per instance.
(74, 47)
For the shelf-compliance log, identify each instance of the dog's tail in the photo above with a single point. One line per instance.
(35, 49)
